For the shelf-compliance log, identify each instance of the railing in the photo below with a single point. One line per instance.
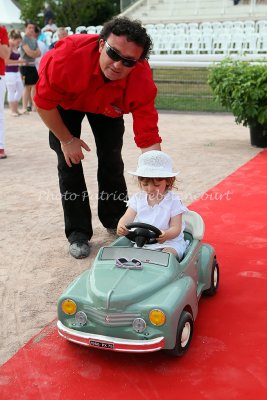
(125, 4)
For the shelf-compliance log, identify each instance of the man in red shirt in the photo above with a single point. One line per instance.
(103, 77)
(4, 53)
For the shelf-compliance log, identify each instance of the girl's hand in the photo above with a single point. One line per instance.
(162, 238)
(122, 230)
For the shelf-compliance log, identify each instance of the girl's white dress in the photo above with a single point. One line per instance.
(160, 215)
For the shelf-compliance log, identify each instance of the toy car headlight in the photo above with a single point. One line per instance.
(157, 317)
(139, 325)
(69, 307)
(81, 318)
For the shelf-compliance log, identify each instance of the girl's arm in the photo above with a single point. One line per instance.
(15, 62)
(174, 229)
(127, 218)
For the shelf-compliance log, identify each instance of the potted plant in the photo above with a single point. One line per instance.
(241, 88)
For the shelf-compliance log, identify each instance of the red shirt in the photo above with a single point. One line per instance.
(3, 40)
(70, 76)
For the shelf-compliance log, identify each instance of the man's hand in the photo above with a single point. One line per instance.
(73, 151)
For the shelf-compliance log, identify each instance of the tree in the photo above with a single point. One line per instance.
(32, 10)
(75, 13)
(71, 13)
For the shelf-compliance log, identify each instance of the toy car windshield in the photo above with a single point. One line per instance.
(143, 255)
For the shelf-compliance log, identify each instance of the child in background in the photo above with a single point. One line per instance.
(14, 82)
(157, 204)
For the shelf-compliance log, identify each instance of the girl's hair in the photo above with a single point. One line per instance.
(169, 181)
(15, 34)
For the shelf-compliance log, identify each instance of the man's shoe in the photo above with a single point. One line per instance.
(79, 249)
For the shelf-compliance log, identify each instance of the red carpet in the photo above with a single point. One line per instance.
(228, 355)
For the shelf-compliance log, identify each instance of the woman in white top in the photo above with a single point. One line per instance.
(157, 204)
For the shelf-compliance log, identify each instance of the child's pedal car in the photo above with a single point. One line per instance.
(140, 300)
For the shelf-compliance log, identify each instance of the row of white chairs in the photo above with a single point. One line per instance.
(89, 29)
(210, 44)
(217, 26)
(53, 37)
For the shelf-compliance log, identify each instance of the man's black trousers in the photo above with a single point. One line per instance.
(112, 191)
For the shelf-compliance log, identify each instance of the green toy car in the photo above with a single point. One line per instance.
(137, 300)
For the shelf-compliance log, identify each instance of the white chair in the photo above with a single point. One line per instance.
(170, 28)
(217, 27)
(160, 28)
(205, 26)
(181, 27)
(150, 28)
(91, 29)
(180, 44)
(236, 44)
(250, 43)
(206, 43)
(167, 43)
(261, 27)
(81, 28)
(249, 26)
(221, 43)
(193, 43)
(238, 25)
(192, 26)
(227, 26)
(98, 28)
(156, 39)
(262, 43)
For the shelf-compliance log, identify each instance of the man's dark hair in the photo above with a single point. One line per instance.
(133, 30)
(28, 22)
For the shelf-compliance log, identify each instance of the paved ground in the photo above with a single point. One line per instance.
(35, 265)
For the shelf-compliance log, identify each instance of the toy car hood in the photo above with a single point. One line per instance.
(112, 287)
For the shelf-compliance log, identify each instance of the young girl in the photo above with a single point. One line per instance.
(157, 204)
(14, 82)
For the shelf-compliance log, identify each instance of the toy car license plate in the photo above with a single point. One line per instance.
(103, 345)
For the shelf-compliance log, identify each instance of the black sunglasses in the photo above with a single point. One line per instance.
(127, 62)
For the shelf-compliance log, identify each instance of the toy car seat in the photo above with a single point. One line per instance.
(194, 224)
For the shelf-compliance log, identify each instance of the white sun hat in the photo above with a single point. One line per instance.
(154, 164)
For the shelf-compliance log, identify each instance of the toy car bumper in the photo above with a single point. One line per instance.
(110, 343)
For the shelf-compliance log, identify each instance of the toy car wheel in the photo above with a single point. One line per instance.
(184, 335)
(214, 281)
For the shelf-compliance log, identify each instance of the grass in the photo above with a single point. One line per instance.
(184, 89)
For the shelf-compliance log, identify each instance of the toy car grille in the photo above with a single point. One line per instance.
(110, 319)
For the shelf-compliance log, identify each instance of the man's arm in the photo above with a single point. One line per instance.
(155, 146)
(4, 51)
(71, 146)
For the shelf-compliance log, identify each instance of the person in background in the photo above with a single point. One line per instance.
(48, 15)
(4, 52)
(29, 52)
(61, 33)
(41, 44)
(50, 26)
(14, 82)
(103, 77)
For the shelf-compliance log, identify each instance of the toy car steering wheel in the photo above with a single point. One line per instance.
(142, 233)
